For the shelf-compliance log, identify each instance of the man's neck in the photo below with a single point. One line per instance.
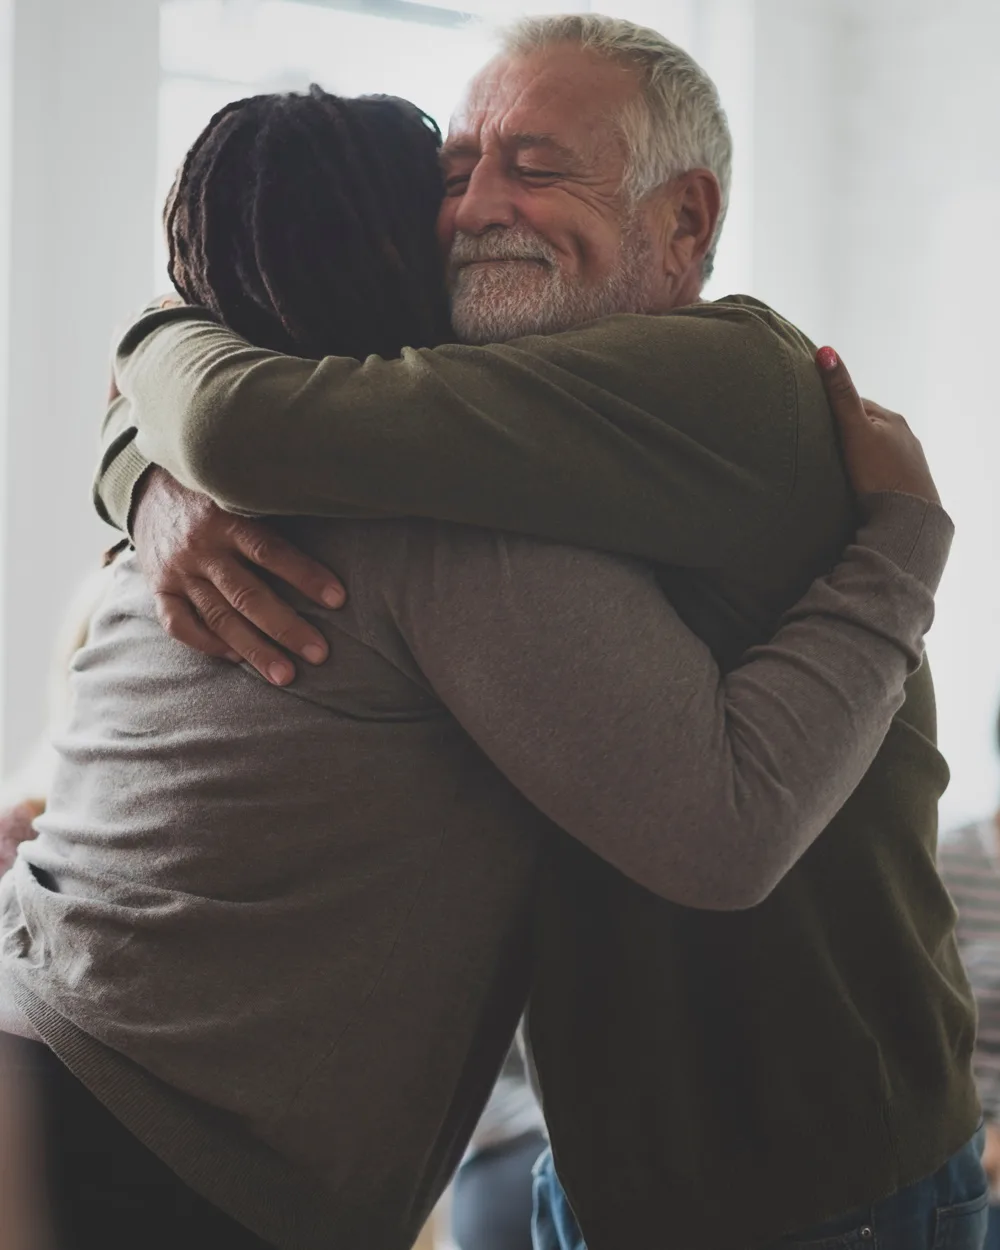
(687, 294)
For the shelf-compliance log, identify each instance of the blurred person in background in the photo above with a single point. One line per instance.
(22, 794)
(492, 1195)
(17, 817)
(969, 858)
(277, 942)
(23, 1221)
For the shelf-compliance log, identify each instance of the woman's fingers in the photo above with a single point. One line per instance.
(848, 406)
(881, 453)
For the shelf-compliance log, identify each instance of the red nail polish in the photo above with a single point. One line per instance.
(827, 359)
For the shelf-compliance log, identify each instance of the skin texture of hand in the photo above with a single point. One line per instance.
(881, 452)
(195, 558)
(15, 828)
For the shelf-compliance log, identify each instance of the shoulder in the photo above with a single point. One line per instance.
(738, 337)
(750, 334)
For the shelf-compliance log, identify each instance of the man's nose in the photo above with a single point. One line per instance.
(487, 202)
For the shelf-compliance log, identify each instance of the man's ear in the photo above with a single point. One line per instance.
(684, 214)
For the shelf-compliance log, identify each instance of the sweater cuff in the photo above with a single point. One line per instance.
(117, 486)
(914, 534)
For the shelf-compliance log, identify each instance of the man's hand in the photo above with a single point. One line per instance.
(195, 558)
(15, 828)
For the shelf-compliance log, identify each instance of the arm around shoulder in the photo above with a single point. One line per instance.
(669, 437)
(576, 677)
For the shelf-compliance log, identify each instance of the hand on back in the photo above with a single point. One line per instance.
(198, 561)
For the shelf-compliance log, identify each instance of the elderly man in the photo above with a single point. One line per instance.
(711, 1081)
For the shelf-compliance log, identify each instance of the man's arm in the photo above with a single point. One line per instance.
(667, 437)
(122, 466)
(575, 676)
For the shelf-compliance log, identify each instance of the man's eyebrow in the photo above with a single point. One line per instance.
(523, 140)
(460, 147)
(549, 142)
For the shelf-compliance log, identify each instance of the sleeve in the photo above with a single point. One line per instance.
(574, 675)
(121, 468)
(646, 435)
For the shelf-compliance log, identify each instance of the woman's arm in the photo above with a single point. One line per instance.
(575, 676)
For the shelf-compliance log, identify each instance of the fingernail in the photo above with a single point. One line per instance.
(280, 674)
(827, 359)
(313, 653)
(333, 597)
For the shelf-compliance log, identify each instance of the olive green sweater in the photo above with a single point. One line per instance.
(803, 1057)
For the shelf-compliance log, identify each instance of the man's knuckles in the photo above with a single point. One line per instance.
(248, 601)
(262, 549)
(216, 614)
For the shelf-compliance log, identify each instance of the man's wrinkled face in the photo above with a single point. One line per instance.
(536, 228)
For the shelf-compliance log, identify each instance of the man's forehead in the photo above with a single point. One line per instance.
(563, 98)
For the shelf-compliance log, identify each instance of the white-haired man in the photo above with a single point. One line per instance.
(711, 1082)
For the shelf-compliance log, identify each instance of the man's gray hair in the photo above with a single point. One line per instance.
(675, 125)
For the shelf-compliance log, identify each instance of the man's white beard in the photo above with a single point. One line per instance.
(528, 293)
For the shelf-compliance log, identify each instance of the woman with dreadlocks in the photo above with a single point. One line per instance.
(307, 223)
(270, 946)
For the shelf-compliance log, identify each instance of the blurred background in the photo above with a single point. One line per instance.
(867, 196)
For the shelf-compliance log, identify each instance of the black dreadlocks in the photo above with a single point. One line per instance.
(306, 223)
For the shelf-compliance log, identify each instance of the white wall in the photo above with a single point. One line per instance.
(6, 136)
(919, 314)
(877, 193)
(80, 164)
(796, 156)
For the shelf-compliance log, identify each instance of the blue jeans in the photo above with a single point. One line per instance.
(946, 1211)
(553, 1225)
(993, 1232)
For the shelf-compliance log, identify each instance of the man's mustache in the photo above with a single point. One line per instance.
(513, 244)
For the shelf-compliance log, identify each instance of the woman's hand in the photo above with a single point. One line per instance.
(880, 450)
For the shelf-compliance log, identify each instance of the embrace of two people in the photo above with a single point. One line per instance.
(621, 725)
